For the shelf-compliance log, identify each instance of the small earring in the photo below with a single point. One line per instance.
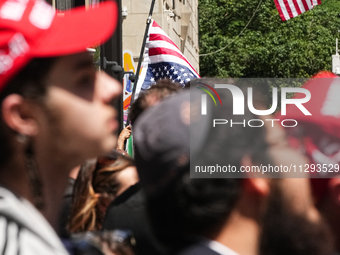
(22, 138)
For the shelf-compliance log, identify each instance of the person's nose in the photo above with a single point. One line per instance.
(107, 88)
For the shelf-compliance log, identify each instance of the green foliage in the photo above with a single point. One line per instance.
(331, 5)
(96, 55)
(268, 47)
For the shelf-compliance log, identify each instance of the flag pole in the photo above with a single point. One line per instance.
(148, 22)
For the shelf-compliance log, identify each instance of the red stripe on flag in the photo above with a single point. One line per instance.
(296, 4)
(317, 2)
(305, 4)
(164, 51)
(290, 13)
(278, 7)
(159, 37)
(297, 8)
(154, 24)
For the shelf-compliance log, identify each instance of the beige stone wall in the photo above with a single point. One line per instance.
(182, 28)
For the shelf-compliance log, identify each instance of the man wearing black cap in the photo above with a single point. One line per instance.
(222, 215)
(55, 113)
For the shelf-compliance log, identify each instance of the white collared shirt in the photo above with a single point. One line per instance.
(218, 247)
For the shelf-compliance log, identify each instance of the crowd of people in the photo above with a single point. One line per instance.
(68, 187)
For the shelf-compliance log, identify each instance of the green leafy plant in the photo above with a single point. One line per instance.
(268, 47)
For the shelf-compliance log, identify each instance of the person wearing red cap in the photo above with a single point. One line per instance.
(55, 113)
(318, 137)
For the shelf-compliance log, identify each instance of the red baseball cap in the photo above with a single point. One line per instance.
(321, 136)
(323, 105)
(32, 28)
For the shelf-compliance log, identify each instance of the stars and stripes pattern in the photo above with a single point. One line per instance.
(163, 59)
(291, 8)
(171, 71)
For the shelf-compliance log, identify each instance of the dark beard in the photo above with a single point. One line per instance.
(287, 233)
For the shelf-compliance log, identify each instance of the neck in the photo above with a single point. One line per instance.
(55, 178)
(241, 235)
(241, 231)
(13, 176)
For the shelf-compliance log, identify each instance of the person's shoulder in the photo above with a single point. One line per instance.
(23, 228)
(132, 195)
(128, 208)
(15, 237)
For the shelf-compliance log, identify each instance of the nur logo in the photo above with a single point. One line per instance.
(204, 97)
(239, 99)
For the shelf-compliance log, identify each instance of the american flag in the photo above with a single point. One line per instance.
(163, 59)
(292, 8)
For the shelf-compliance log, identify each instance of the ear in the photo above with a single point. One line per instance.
(259, 186)
(18, 114)
(334, 189)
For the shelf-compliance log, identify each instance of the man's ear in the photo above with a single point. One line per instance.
(334, 189)
(18, 114)
(260, 186)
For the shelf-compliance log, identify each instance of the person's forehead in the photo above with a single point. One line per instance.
(67, 68)
(75, 74)
(76, 61)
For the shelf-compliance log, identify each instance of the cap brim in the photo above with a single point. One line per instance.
(73, 31)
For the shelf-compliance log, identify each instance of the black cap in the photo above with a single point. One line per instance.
(162, 143)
